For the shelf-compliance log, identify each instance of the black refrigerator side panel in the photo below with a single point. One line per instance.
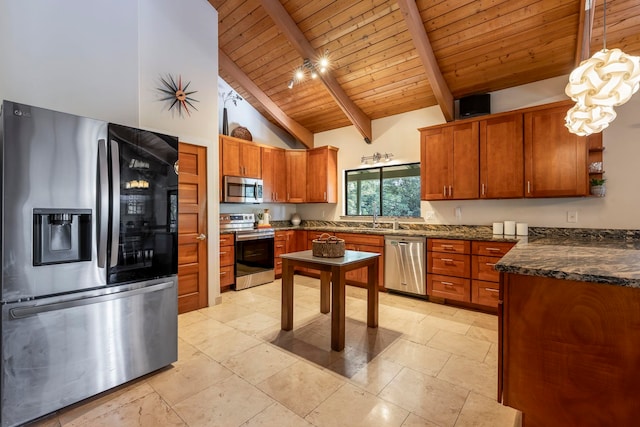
(144, 240)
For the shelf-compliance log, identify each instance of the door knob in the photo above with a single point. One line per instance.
(201, 237)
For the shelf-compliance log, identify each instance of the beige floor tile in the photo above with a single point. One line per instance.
(191, 375)
(376, 375)
(259, 363)
(104, 403)
(277, 415)
(190, 318)
(228, 403)
(417, 357)
(437, 322)
(300, 387)
(228, 344)
(226, 311)
(481, 411)
(470, 374)
(253, 323)
(492, 356)
(203, 333)
(462, 345)
(483, 334)
(398, 319)
(148, 411)
(433, 399)
(355, 407)
(415, 421)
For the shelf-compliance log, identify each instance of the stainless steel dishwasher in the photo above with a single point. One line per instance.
(404, 264)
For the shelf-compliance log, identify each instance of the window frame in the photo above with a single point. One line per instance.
(380, 200)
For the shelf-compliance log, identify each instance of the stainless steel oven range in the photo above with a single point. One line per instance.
(254, 263)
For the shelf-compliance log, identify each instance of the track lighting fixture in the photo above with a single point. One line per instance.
(310, 69)
(376, 158)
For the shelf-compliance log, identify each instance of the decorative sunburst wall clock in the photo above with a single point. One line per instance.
(173, 92)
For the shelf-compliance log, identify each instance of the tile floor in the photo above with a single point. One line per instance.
(426, 365)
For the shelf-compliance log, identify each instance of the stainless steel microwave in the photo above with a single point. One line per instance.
(242, 190)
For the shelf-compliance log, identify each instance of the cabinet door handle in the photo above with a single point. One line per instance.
(447, 283)
(223, 273)
(325, 196)
(444, 191)
(490, 264)
(492, 290)
(447, 247)
(447, 260)
(450, 192)
(223, 253)
(493, 249)
(483, 189)
(528, 187)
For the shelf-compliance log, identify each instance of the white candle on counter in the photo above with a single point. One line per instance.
(510, 228)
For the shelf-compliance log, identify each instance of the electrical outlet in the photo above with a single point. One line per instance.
(430, 215)
(458, 213)
(572, 216)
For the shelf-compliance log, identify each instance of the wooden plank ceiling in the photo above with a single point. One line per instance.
(479, 45)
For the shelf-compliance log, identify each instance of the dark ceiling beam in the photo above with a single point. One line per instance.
(287, 25)
(418, 33)
(301, 133)
(585, 26)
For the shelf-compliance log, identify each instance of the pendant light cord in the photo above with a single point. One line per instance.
(604, 26)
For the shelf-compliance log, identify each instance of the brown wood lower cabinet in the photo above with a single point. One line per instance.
(284, 242)
(463, 270)
(570, 352)
(366, 243)
(227, 261)
(485, 283)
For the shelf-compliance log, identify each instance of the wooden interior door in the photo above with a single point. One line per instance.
(192, 227)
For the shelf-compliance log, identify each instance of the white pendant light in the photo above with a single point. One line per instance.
(584, 121)
(606, 80)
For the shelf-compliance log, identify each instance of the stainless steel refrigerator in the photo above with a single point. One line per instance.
(89, 257)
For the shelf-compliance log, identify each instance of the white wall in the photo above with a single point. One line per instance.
(398, 135)
(243, 114)
(103, 59)
(74, 56)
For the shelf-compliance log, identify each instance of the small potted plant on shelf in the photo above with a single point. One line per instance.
(597, 187)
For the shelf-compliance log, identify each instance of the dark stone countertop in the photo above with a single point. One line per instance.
(589, 255)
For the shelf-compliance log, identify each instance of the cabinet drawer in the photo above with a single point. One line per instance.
(485, 293)
(227, 255)
(227, 239)
(362, 239)
(482, 268)
(448, 264)
(277, 266)
(454, 288)
(279, 248)
(449, 246)
(280, 235)
(226, 275)
(491, 248)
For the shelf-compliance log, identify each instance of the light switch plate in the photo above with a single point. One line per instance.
(572, 216)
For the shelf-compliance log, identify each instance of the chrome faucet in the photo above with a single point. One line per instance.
(375, 215)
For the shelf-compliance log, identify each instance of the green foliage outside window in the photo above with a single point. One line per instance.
(390, 190)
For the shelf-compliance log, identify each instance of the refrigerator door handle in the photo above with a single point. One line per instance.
(115, 201)
(103, 215)
(22, 312)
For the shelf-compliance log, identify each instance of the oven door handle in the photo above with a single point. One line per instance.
(253, 236)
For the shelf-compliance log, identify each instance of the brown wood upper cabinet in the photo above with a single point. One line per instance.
(501, 157)
(273, 177)
(449, 158)
(296, 171)
(322, 169)
(241, 158)
(555, 159)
